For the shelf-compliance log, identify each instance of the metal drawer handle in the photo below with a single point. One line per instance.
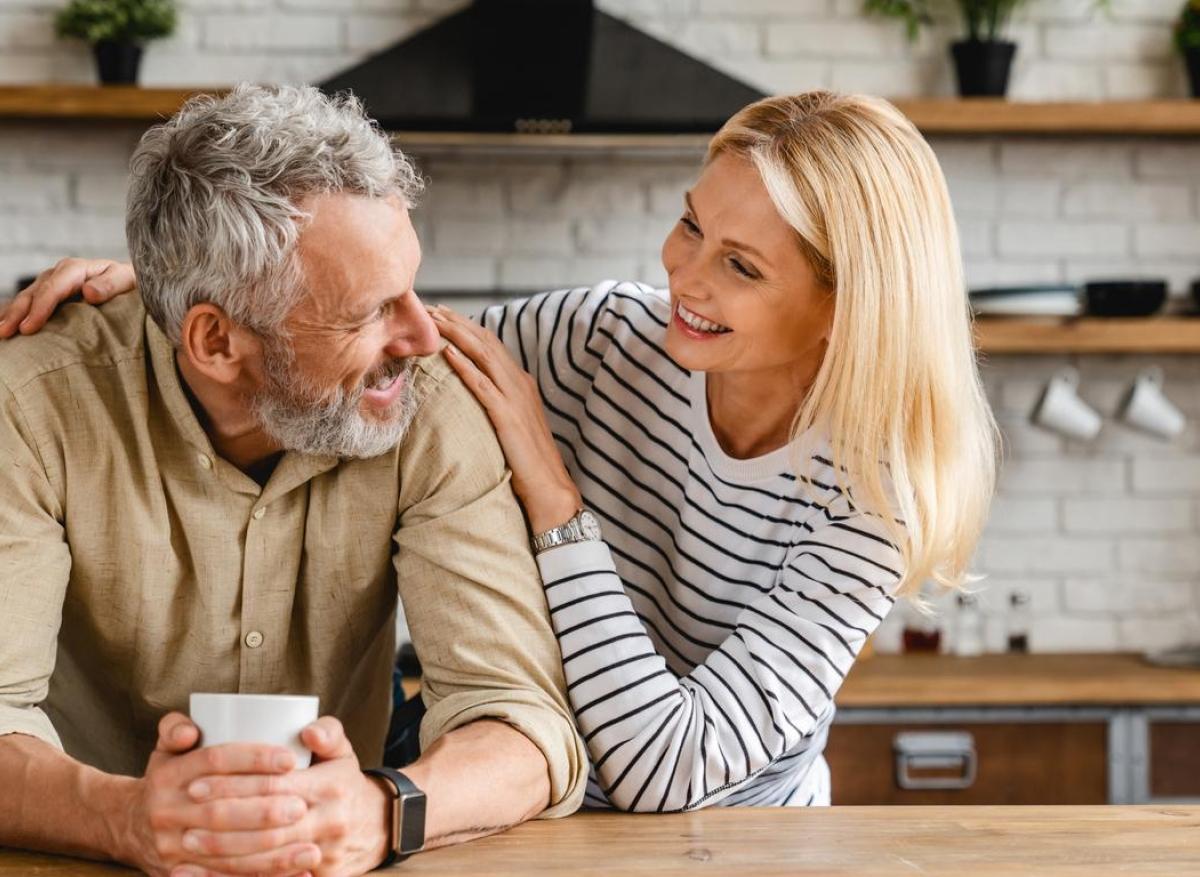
(934, 750)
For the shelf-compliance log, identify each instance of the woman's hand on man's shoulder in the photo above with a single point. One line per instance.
(98, 280)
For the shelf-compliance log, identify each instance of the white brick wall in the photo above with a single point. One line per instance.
(1105, 536)
(1067, 49)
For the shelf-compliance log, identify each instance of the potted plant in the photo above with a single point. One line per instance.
(1187, 38)
(117, 30)
(983, 60)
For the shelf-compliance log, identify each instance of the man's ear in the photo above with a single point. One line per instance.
(216, 346)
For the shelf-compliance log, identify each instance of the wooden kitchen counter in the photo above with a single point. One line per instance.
(877, 841)
(1015, 680)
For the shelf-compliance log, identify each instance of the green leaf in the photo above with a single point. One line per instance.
(124, 20)
(981, 19)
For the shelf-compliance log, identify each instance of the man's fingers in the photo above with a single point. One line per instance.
(176, 733)
(235, 758)
(230, 758)
(239, 851)
(199, 871)
(327, 739)
(271, 785)
(247, 814)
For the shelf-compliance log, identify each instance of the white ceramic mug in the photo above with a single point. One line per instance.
(1147, 407)
(1061, 410)
(275, 719)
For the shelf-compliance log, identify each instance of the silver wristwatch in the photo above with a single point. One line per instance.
(582, 528)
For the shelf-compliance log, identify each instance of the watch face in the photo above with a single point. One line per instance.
(589, 526)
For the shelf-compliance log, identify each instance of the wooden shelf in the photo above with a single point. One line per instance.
(1088, 335)
(461, 141)
(932, 115)
(93, 102)
(995, 116)
(1109, 679)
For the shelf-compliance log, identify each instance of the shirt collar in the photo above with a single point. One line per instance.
(294, 468)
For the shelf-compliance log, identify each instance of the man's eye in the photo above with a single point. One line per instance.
(385, 310)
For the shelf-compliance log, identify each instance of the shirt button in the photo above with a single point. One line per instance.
(259, 512)
(205, 462)
(254, 639)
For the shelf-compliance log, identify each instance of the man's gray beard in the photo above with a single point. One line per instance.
(302, 417)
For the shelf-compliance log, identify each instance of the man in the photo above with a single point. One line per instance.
(217, 488)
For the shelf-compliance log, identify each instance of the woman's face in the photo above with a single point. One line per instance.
(744, 297)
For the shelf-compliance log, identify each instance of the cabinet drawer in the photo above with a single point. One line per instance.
(1013, 763)
(1174, 759)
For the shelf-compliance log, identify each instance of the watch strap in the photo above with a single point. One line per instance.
(552, 538)
(407, 834)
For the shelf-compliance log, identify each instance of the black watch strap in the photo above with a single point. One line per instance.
(407, 835)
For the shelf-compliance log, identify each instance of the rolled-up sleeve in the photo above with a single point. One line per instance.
(35, 566)
(471, 590)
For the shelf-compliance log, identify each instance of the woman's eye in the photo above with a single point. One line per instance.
(689, 225)
(740, 268)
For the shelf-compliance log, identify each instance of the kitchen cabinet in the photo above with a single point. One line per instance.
(987, 762)
(1029, 729)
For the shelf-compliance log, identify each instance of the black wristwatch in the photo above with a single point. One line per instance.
(407, 834)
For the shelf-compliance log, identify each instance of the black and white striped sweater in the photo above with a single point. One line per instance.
(705, 640)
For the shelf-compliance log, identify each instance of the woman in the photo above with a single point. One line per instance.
(776, 448)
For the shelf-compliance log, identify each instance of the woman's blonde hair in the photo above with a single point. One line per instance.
(899, 383)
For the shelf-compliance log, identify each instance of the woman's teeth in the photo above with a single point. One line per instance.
(698, 323)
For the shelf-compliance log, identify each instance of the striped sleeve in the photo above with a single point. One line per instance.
(559, 337)
(659, 742)
(527, 326)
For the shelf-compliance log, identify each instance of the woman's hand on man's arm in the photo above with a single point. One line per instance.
(97, 279)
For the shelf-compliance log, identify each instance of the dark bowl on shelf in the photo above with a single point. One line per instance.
(1124, 298)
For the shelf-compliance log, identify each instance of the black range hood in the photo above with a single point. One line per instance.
(542, 66)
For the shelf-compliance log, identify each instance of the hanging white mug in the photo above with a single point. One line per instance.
(1146, 407)
(1061, 410)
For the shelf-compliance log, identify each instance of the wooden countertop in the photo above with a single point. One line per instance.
(875, 841)
(1015, 680)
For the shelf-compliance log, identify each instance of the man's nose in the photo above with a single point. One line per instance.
(413, 332)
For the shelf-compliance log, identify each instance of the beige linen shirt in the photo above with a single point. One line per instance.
(137, 566)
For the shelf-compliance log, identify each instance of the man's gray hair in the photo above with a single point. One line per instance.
(215, 198)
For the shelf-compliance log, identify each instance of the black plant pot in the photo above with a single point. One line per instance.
(1191, 57)
(983, 66)
(118, 61)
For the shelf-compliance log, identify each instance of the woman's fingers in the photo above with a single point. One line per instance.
(477, 381)
(12, 314)
(98, 279)
(115, 279)
(482, 347)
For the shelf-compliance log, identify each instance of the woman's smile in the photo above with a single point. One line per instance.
(695, 326)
